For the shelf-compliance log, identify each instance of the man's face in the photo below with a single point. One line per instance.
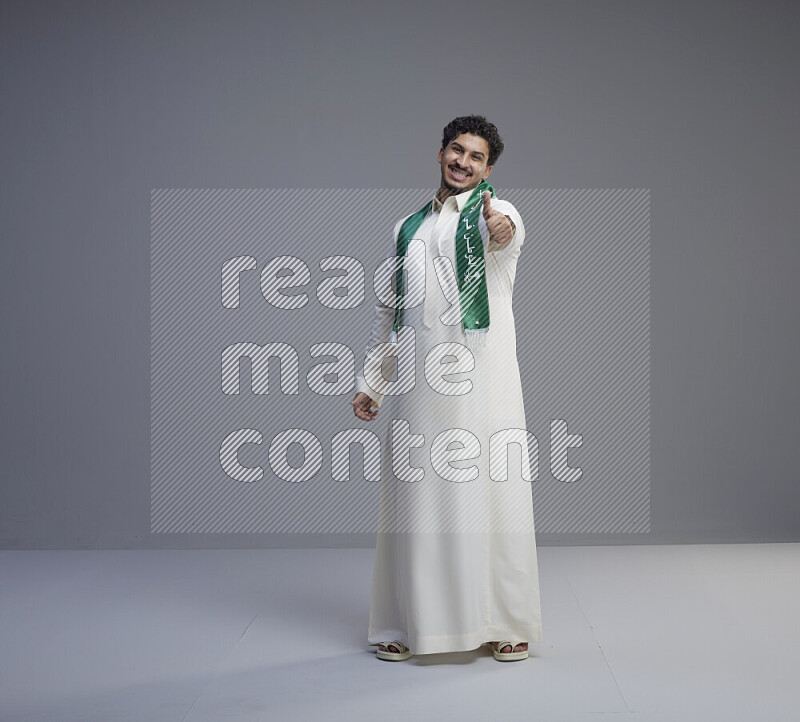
(463, 162)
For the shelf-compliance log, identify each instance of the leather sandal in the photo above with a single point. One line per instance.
(511, 656)
(403, 653)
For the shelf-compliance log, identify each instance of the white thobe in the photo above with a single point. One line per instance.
(456, 562)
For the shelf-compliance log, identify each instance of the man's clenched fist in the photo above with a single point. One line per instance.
(362, 407)
(500, 227)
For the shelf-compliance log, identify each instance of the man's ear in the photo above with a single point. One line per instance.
(439, 157)
(487, 171)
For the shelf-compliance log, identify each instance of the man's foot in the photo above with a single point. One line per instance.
(522, 647)
(509, 650)
(394, 651)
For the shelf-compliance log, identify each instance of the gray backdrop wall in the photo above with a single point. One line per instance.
(102, 102)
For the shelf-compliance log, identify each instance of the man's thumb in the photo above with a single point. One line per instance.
(487, 208)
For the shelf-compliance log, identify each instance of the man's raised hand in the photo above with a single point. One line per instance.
(500, 229)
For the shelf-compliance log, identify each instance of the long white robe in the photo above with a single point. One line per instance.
(456, 563)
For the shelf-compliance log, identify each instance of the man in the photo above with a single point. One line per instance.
(456, 563)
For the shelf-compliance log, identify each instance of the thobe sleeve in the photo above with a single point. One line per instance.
(382, 322)
(506, 255)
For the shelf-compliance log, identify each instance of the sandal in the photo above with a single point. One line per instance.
(508, 656)
(402, 653)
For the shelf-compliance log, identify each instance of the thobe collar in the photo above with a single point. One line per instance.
(461, 200)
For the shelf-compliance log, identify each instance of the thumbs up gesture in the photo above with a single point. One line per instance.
(500, 227)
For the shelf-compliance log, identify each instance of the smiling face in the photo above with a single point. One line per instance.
(463, 163)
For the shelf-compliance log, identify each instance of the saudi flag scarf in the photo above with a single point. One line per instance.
(470, 267)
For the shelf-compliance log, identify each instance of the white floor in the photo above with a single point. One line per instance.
(705, 632)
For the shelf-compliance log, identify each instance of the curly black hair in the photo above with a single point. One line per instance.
(478, 125)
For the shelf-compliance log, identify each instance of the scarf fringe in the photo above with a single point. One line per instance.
(477, 337)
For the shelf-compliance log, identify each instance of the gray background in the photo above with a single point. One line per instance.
(102, 102)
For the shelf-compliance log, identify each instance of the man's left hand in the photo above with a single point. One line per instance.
(501, 230)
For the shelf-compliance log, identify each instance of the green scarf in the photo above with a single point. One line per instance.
(470, 267)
